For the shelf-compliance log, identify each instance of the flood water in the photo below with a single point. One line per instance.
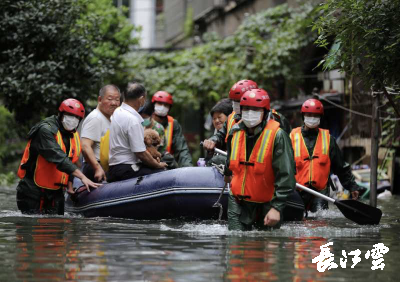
(73, 248)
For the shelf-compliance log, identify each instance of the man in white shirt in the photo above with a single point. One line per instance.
(128, 155)
(94, 127)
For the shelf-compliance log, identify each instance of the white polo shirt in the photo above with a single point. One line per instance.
(126, 136)
(94, 127)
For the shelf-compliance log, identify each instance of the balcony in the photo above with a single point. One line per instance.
(202, 8)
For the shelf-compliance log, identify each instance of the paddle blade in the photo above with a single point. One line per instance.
(359, 212)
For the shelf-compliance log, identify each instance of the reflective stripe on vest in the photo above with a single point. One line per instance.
(312, 171)
(253, 179)
(229, 124)
(168, 134)
(46, 174)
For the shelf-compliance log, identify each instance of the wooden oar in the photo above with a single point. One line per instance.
(354, 210)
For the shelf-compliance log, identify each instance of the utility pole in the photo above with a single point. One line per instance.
(374, 150)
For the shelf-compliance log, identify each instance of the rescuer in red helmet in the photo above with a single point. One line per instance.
(175, 143)
(220, 137)
(235, 93)
(49, 160)
(313, 170)
(259, 166)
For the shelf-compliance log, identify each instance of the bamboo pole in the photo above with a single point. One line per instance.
(374, 150)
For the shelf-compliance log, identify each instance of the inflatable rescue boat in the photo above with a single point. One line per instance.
(183, 193)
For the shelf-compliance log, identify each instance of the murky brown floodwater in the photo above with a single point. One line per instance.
(73, 248)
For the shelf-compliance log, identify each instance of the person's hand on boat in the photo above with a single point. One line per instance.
(208, 145)
(272, 217)
(162, 165)
(70, 188)
(355, 194)
(89, 183)
(86, 181)
(99, 174)
(227, 178)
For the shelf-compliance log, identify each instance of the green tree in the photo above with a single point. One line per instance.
(267, 47)
(367, 45)
(367, 34)
(54, 49)
(10, 144)
(116, 38)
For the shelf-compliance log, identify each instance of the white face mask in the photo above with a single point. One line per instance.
(251, 118)
(236, 107)
(311, 122)
(70, 123)
(141, 108)
(161, 110)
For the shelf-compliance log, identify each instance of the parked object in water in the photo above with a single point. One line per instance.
(362, 176)
(385, 195)
(188, 193)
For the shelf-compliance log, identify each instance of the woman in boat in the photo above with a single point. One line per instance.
(219, 114)
(220, 137)
(236, 92)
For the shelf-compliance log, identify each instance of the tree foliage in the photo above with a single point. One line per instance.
(367, 35)
(9, 139)
(54, 49)
(265, 48)
(367, 44)
(116, 38)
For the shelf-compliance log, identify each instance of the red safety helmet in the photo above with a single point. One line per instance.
(240, 87)
(256, 98)
(312, 106)
(163, 97)
(72, 106)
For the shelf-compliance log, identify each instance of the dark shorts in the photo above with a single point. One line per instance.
(124, 171)
(88, 171)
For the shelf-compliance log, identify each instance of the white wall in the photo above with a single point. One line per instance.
(143, 13)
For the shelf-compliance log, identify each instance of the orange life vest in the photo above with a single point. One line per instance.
(312, 171)
(168, 134)
(229, 124)
(276, 115)
(46, 174)
(253, 179)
